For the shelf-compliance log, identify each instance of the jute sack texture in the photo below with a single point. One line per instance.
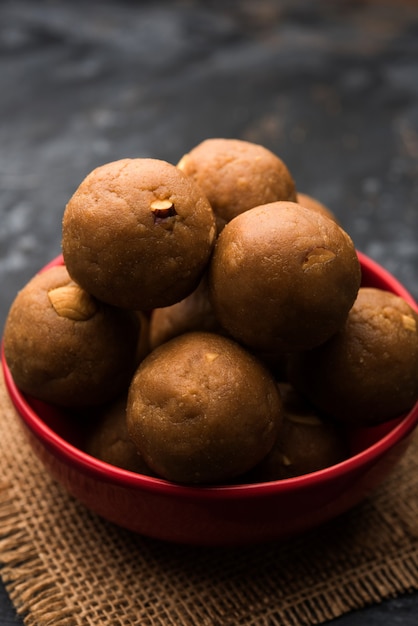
(65, 566)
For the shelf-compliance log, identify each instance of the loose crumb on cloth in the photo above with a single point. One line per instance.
(64, 566)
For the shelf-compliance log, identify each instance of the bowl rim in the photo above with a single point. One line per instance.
(403, 426)
(393, 283)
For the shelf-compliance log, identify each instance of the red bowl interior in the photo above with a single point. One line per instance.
(216, 515)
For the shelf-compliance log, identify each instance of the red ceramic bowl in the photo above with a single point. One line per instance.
(217, 515)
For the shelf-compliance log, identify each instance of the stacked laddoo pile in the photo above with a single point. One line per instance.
(213, 319)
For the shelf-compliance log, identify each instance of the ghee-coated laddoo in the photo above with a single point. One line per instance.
(306, 441)
(283, 278)
(237, 175)
(201, 409)
(65, 347)
(309, 202)
(367, 373)
(138, 233)
(109, 441)
(192, 313)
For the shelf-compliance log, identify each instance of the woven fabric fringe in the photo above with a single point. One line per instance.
(31, 587)
(64, 566)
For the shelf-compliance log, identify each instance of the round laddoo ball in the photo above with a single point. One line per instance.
(367, 373)
(143, 344)
(65, 347)
(309, 202)
(192, 313)
(201, 409)
(237, 175)
(283, 278)
(138, 233)
(307, 442)
(109, 440)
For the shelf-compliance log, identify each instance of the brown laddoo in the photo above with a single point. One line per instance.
(143, 345)
(306, 441)
(65, 347)
(192, 313)
(283, 278)
(201, 409)
(109, 441)
(138, 233)
(312, 203)
(368, 372)
(237, 175)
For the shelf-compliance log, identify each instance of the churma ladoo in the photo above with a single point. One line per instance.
(201, 409)
(138, 233)
(181, 284)
(143, 344)
(237, 175)
(194, 312)
(65, 347)
(309, 202)
(109, 440)
(367, 373)
(283, 278)
(306, 441)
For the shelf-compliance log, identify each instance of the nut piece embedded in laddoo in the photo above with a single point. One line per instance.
(201, 409)
(306, 441)
(237, 175)
(283, 278)
(64, 347)
(367, 373)
(138, 233)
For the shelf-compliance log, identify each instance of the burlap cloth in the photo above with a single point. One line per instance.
(64, 565)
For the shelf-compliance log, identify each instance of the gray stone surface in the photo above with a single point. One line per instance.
(331, 87)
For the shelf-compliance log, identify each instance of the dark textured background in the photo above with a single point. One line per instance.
(331, 87)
